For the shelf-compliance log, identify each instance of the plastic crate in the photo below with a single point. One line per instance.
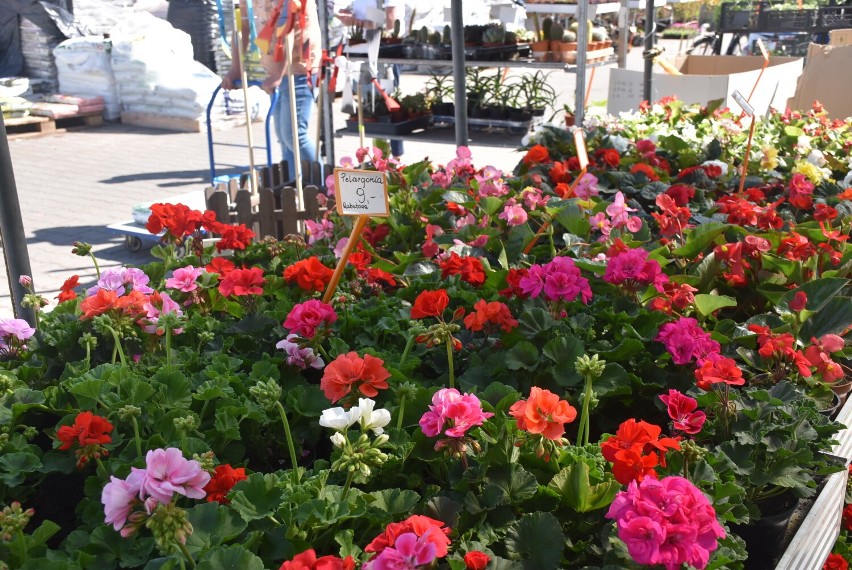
(835, 17)
(787, 20)
(736, 17)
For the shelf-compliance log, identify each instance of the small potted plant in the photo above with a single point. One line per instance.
(440, 91)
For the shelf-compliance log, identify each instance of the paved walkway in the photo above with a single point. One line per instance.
(72, 185)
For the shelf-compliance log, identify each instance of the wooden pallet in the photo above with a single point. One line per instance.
(180, 124)
(33, 125)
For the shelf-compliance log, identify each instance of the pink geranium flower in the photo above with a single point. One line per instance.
(168, 472)
(687, 341)
(453, 414)
(305, 318)
(117, 498)
(619, 214)
(513, 213)
(298, 356)
(184, 279)
(633, 270)
(318, 231)
(409, 552)
(150, 323)
(560, 280)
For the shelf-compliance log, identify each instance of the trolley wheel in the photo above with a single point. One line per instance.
(132, 243)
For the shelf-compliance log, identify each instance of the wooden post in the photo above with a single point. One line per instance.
(357, 229)
(238, 26)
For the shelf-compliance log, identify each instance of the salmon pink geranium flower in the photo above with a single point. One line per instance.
(242, 282)
(543, 413)
(349, 370)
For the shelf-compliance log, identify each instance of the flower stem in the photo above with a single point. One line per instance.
(95, 261)
(324, 353)
(186, 553)
(585, 421)
(347, 485)
(117, 348)
(101, 469)
(450, 362)
(21, 542)
(409, 343)
(290, 444)
(401, 412)
(136, 437)
(169, 347)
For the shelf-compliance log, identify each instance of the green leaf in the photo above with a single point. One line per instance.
(89, 389)
(457, 197)
(537, 541)
(709, 304)
(508, 484)
(212, 525)
(490, 204)
(818, 291)
(256, 497)
(16, 466)
(522, 355)
(699, 238)
(231, 558)
(394, 501)
(834, 318)
(575, 489)
(793, 131)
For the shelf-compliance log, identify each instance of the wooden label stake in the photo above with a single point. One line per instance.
(360, 193)
(748, 110)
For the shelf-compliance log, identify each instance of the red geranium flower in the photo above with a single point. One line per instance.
(178, 220)
(430, 304)
(718, 369)
(349, 369)
(90, 433)
(374, 236)
(308, 560)
(433, 530)
(220, 265)
(635, 449)
(98, 304)
(242, 282)
(469, 268)
(66, 292)
(835, 562)
(494, 313)
(223, 480)
(476, 560)
(233, 237)
(309, 274)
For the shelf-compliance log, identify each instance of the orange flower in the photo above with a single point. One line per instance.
(543, 413)
(132, 304)
(350, 369)
(98, 304)
(430, 304)
(536, 154)
(494, 313)
(309, 274)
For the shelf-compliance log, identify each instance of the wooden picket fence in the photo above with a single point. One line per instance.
(275, 210)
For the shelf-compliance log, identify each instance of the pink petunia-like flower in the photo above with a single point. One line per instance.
(409, 552)
(184, 279)
(453, 414)
(619, 214)
(681, 409)
(305, 318)
(633, 270)
(318, 231)
(686, 341)
(559, 280)
(587, 186)
(668, 522)
(153, 312)
(300, 357)
(168, 472)
(514, 213)
(117, 497)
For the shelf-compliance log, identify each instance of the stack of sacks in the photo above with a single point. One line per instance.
(157, 75)
(85, 70)
(14, 107)
(58, 106)
(98, 17)
(39, 64)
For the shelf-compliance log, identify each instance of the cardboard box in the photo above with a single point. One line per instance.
(826, 79)
(708, 78)
(840, 37)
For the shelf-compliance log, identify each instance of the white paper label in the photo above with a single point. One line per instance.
(741, 101)
(361, 192)
(580, 142)
(762, 49)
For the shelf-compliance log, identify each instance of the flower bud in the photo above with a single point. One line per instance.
(590, 366)
(25, 281)
(81, 248)
(266, 393)
(129, 411)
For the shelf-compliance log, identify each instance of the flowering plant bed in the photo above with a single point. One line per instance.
(537, 369)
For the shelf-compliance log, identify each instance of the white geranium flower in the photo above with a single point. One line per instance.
(372, 419)
(339, 419)
(817, 158)
(619, 143)
(847, 182)
(338, 440)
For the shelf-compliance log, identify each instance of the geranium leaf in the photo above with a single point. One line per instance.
(17, 466)
(522, 355)
(443, 509)
(575, 489)
(212, 525)
(394, 501)
(709, 304)
(228, 557)
(256, 497)
(507, 485)
(537, 541)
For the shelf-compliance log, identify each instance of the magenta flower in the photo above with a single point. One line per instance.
(681, 409)
(167, 472)
(533, 198)
(152, 314)
(305, 318)
(668, 522)
(513, 213)
(317, 231)
(184, 279)
(687, 341)
(634, 270)
(453, 414)
(117, 497)
(409, 552)
(560, 280)
(298, 356)
(587, 186)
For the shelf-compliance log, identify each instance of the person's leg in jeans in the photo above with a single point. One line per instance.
(396, 145)
(304, 108)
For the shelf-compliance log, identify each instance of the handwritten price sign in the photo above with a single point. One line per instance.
(361, 192)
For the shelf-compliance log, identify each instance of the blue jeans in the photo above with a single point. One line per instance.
(283, 125)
